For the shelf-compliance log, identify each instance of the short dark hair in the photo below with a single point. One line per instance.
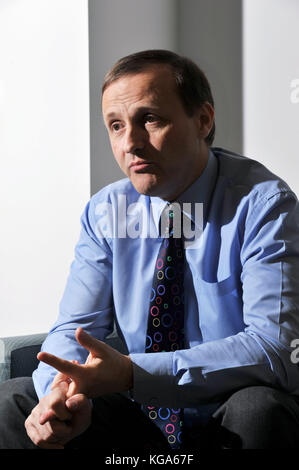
(192, 84)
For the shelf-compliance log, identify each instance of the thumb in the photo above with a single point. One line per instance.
(80, 407)
(90, 343)
(76, 402)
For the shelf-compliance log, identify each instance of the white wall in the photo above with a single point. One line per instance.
(271, 63)
(44, 155)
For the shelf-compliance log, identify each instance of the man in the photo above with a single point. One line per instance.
(231, 380)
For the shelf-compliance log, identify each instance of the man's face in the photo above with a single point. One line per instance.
(156, 144)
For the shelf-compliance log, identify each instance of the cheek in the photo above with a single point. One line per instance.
(164, 142)
(116, 149)
(184, 141)
(119, 156)
(171, 144)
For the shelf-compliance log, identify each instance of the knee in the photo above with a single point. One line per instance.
(7, 393)
(254, 403)
(262, 417)
(17, 398)
(16, 395)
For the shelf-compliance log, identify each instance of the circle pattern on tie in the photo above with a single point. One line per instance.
(166, 323)
(166, 296)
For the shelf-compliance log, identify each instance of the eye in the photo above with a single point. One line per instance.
(115, 126)
(150, 118)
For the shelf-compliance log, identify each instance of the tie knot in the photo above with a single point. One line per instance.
(171, 221)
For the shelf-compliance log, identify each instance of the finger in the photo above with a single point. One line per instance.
(80, 407)
(66, 367)
(74, 388)
(61, 384)
(61, 430)
(43, 438)
(60, 378)
(48, 415)
(40, 442)
(89, 358)
(93, 345)
(56, 409)
(76, 402)
(51, 416)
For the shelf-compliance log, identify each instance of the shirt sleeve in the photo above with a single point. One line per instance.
(86, 302)
(259, 355)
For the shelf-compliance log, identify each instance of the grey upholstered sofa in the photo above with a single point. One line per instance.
(18, 353)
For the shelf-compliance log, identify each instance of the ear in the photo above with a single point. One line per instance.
(204, 119)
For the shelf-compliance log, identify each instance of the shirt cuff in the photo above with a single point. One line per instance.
(153, 379)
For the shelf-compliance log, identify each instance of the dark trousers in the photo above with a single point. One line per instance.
(253, 418)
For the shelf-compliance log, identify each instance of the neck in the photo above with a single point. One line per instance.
(202, 163)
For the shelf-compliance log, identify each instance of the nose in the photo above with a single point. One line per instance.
(135, 138)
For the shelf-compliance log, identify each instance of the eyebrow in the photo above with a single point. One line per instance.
(139, 111)
(110, 115)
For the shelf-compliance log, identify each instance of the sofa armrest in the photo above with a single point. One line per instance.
(9, 345)
(18, 353)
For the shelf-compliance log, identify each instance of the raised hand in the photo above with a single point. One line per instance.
(105, 371)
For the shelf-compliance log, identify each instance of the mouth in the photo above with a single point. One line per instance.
(141, 166)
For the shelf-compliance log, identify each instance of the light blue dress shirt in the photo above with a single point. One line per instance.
(241, 287)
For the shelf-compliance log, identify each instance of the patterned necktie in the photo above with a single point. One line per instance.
(165, 330)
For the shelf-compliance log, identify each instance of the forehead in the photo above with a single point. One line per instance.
(155, 85)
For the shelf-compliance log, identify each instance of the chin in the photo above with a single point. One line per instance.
(147, 191)
(147, 185)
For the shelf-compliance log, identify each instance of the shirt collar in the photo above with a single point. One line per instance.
(198, 192)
